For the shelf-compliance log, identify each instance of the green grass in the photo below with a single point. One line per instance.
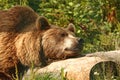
(46, 76)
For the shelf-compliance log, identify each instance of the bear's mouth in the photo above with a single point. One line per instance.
(74, 50)
(71, 53)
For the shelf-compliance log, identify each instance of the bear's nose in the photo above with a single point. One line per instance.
(80, 40)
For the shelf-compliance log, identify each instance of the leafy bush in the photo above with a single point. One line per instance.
(97, 22)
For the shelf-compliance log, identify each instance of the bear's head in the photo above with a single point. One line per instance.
(46, 42)
(59, 43)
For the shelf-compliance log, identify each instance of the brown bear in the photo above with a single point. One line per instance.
(27, 38)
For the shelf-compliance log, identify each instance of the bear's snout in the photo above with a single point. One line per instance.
(75, 48)
(76, 45)
(80, 43)
(80, 40)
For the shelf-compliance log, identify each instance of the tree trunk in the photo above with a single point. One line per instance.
(84, 68)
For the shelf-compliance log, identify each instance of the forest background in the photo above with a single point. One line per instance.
(96, 21)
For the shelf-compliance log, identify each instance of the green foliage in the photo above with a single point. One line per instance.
(63, 74)
(96, 21)
(6, 4)
(45, 76)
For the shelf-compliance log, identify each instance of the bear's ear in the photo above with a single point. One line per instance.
(42, 23)
(71, 27)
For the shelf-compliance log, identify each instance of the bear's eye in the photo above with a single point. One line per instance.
(63, 34)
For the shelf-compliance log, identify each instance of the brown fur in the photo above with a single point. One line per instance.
(26, 38)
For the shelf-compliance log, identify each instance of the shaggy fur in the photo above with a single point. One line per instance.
(27, 38)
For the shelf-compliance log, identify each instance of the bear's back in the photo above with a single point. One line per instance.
(16, 19)
(13, 22)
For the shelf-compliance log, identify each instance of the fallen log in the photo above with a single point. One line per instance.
(84, 68)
